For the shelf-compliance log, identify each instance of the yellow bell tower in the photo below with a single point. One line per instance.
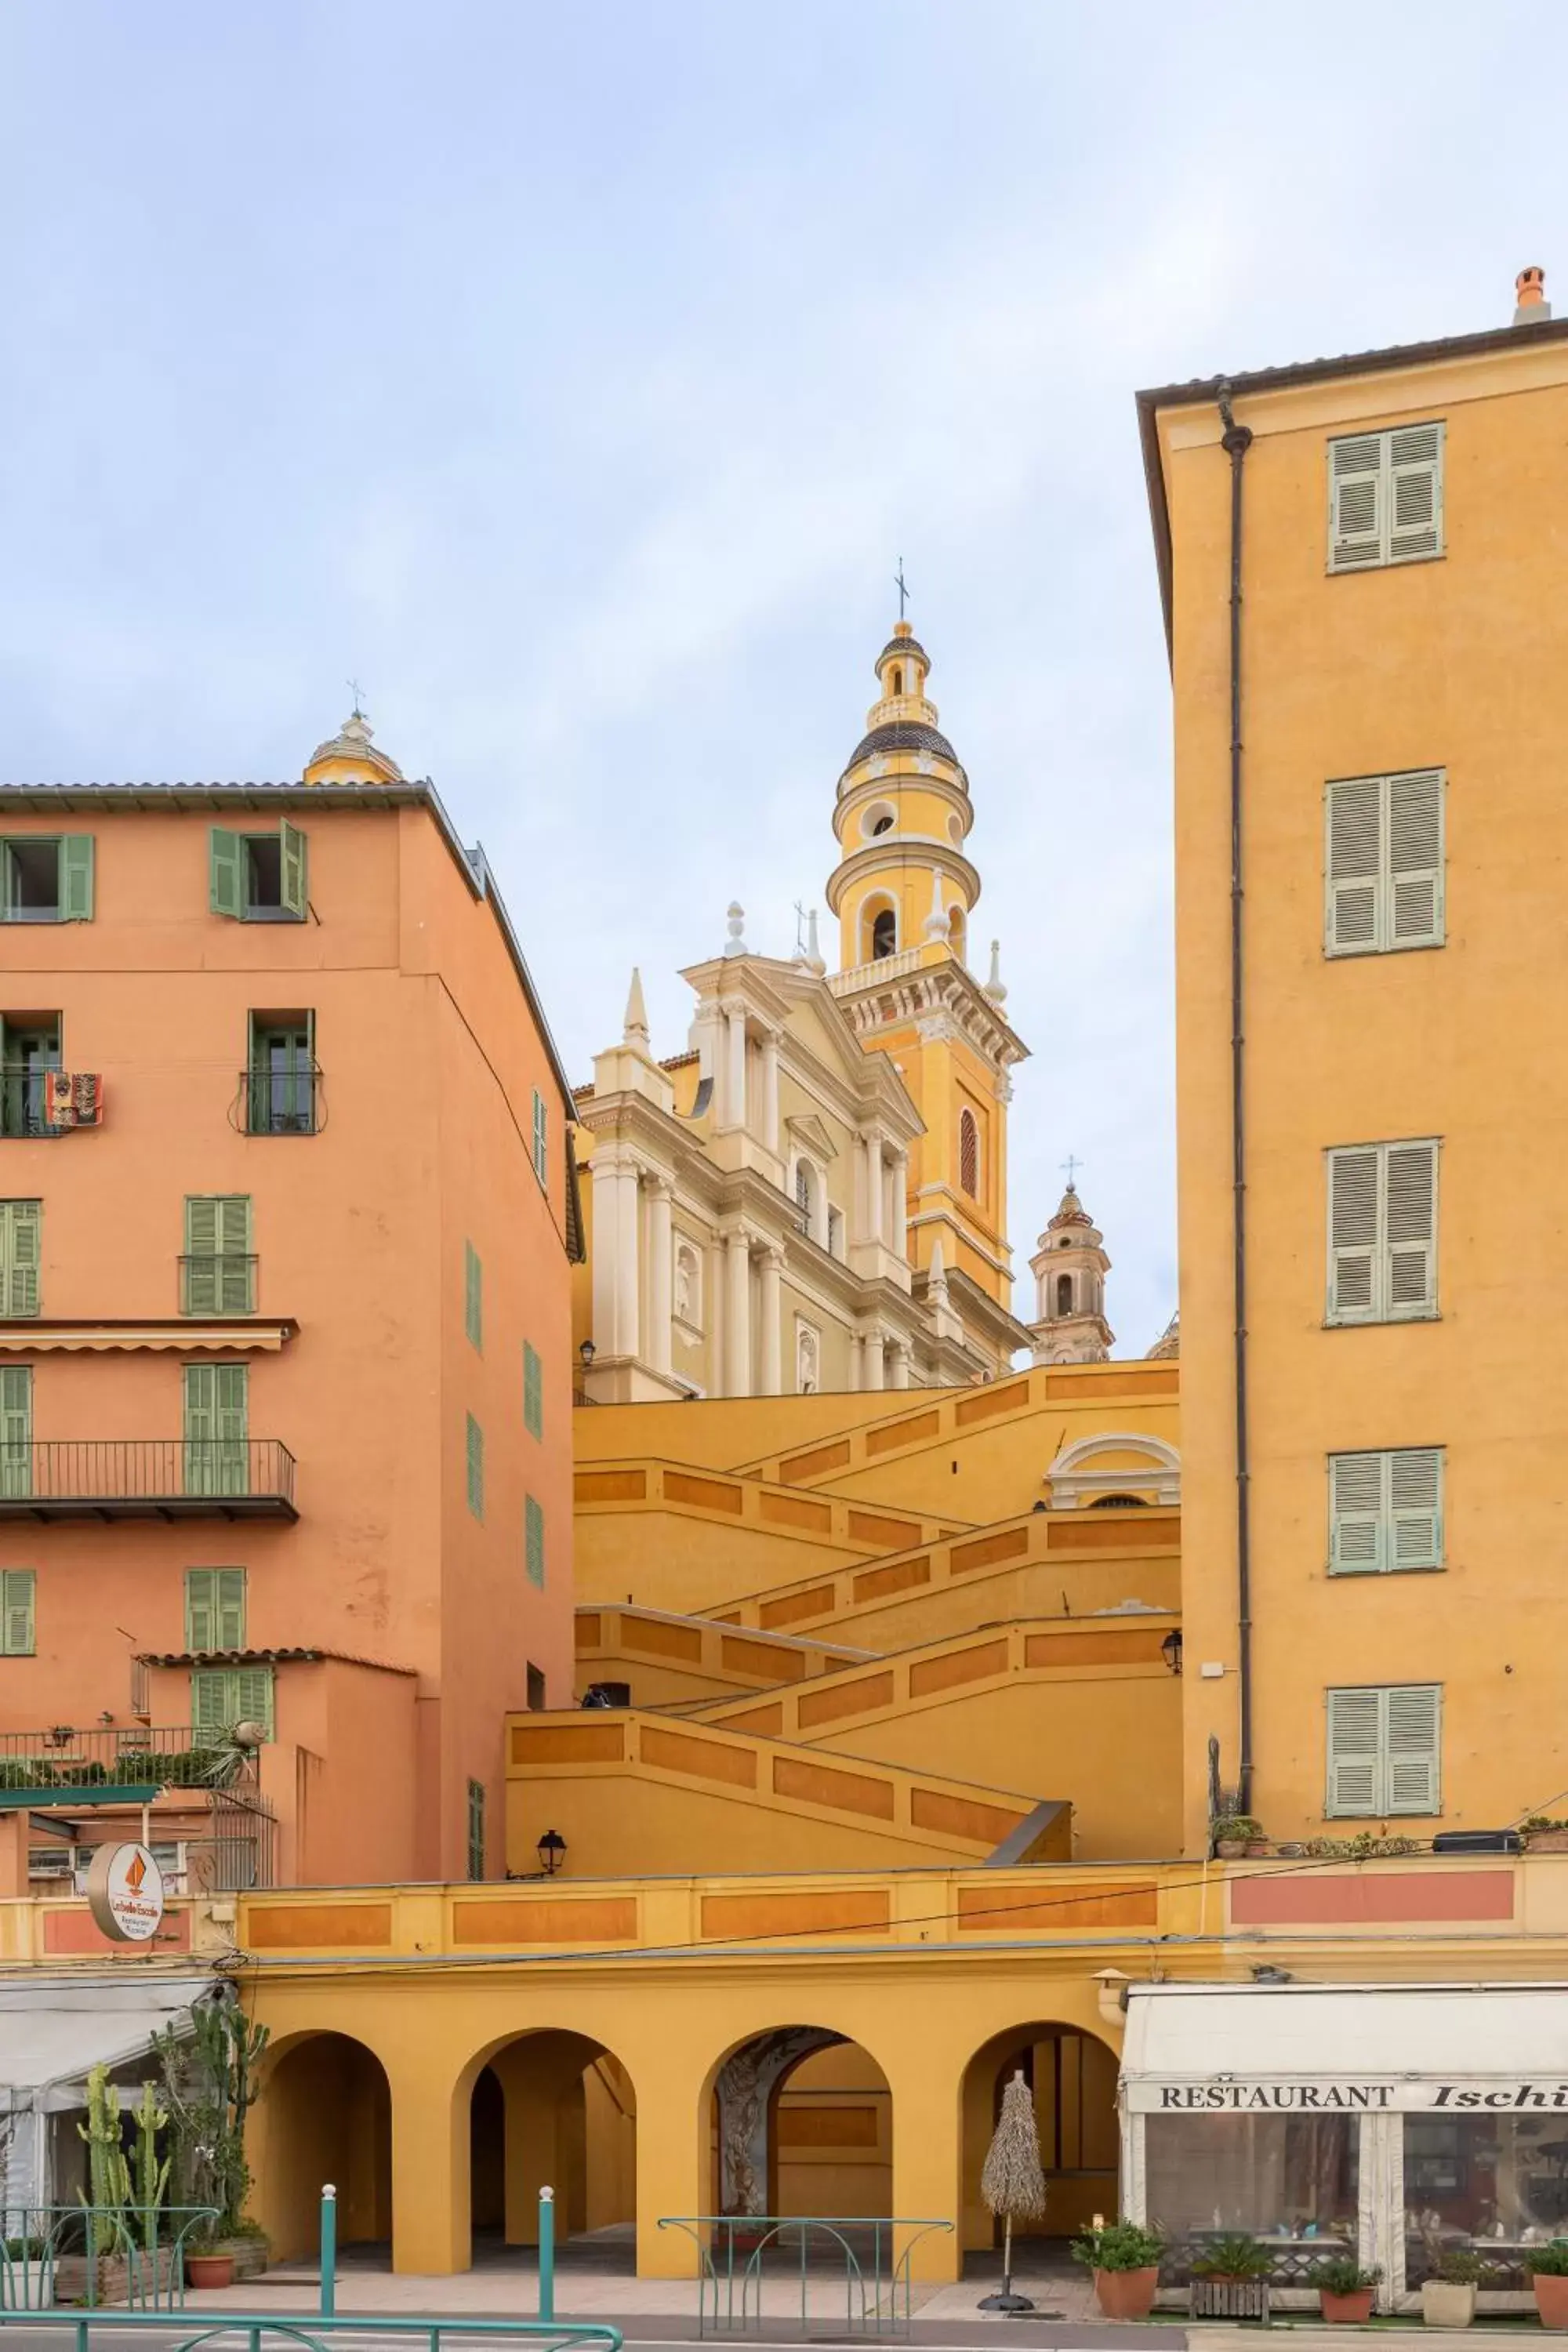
(904, 892)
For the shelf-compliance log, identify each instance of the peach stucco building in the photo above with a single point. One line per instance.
(284, 1356)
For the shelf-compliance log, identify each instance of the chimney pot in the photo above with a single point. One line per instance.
(1530, 297)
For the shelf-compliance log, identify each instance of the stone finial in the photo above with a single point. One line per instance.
(735, 944)
(995, 986)
(815, 960)
(937, 1278)
(635, 1032)
(937, 926)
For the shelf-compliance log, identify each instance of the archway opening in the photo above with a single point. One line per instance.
(325, 2114)
(1072, 2078)
(552, 2110)
(884, 934)
(801, 2124)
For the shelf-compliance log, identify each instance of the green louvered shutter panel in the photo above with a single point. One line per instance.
(473, 1296)
(215, 1414)
(1414, 888)
(16, 1429)
(534, 1526)
(214, 1609)
(1354, 1745)
(226, 871)
(475, 1828)
(201, 1255)
(76, 877)
(1354, 864)
(1415, 486)
(1354, 1200)
(295, 889)
(1358, 494)
(253, 1695)
(18, 1633)
(1410, 1229)
(1356, 1490)
(222, 1696)
(1412, 1716)
(541, 1137)
(1415, 1507)
(209, 1699)
(21, 1238)
(532, 1390)
(233, 1270)
(475, 1467)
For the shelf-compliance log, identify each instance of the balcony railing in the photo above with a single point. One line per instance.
(62, 1758)
(224, 1285)
(147, 1478)
(275, 1101)
(25, 1097)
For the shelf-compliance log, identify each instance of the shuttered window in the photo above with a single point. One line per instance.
(1386, 1511)
(44, 880)
(1385, 498)
(533, 1540)
(475, 1828)
(215, 1607)
(473, 1296)
(222, 1696)
(1383, 863)
(475, 1466)
(16, 1429)
(259, 878)
(969, 1153)
(1383, 1232)
(1385, 1751)
(18, 1637)
(532, 1390)
(541, 1137)
(218, 1271)
(216, 1451)
(21, 1237)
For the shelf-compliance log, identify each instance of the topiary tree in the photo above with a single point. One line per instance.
(1012, 2182)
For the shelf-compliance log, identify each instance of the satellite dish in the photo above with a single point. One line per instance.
(250, 1735)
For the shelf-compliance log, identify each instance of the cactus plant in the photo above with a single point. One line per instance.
(109, 2182)
(147, 2177)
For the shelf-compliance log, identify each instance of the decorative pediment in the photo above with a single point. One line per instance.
(810, 1135)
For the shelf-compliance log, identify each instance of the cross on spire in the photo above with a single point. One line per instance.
(1072, 1165)
(902, 587)
(356, 690)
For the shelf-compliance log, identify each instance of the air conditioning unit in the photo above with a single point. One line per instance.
(53, 1862)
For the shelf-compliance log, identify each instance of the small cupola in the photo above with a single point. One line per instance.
(352, 758)
(1069, 1267)
(902, 665)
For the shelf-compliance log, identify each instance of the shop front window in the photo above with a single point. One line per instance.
(1287, 2179)
(1497, 2182)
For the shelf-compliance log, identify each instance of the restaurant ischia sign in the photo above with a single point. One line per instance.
(1228, 2096)
(125, 1893)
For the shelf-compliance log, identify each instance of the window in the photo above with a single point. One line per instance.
(541, 1137)
(475, 1450)
(835, 1233)
(222, 1696)
(884, 934)
(1385, 498)
(43, 881)
(537, 1701)
(29, 1048)
(1383, 863)
(1383, 1750)
(258, 877)
(533, 1540)
(473, 1297)
(16, 1429)
(17, 1633)
(1064, 1294)
(217, 1272)
(532, 1390)
(896, 685)
(1383, 1232)
(475, 1828)
(218, 1453)
(1386, 1511)
(215, 1607)
(282, 1097)
(876, 820)
(969, 1153)
(20, 1238)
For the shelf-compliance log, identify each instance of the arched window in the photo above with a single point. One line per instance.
(803, 1189)
(898, 684)
(884, 934)
(969, 1154)
(882, 824)
(1118, 1503)
(1064, 1294)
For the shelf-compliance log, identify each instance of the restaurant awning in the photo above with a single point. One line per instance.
(52, 2031)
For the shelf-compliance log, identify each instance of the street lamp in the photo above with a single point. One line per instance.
(587, 1351)
(1171, 1649)
(552, 1851)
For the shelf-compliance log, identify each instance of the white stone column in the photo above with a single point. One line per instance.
(735, 1111)
(660, 1192)
(874, 1365)
(738, 1318)
(615, 1256)
(627, 1277)
(901, 1364)
(769, 1118)
(897, 1223)
(875, 1228)
(857, 1361)
(713, 1318)
(770, 1377)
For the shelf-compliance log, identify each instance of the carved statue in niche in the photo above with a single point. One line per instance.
(686, 1307)
(807, 1361)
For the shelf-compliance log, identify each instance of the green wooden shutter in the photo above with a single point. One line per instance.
(475, 1467)
(1415, 1507)
(215, 1607)
(16, 1429)
(1357, 500)
(1354, 1195)
(226, 871)
(235, 1290)
(1415, 477)
(216, 1457)
(18, 1633)
(201, 1257)
(534, 1526)
(541, 1137)
(475, 1828)
(1414, 903)
(76, 877)
(292, 859)
(1354, 864)
(222, 1696)
(1354, 1746)
(1410, 1283)
(1356, 1489)
(532, 1390)
(20, 1248)
(1412, 1746)
(473, 1296)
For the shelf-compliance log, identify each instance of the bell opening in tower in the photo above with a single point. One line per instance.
(884, 934)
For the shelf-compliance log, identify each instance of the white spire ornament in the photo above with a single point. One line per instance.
(937, 926)
(634, 1030)
(735, 944)
(996, 987)
(815, 960)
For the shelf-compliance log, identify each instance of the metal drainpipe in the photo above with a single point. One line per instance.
(1235, 441)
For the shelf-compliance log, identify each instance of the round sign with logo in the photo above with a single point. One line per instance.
(125, 1893)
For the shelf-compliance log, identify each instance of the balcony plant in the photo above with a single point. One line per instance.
(1235, 1835)
(1548, 2268)
(1448, 2296)
(1230, 2278)
(1125, 2259)
(1344, 2290)
(1545, 1833)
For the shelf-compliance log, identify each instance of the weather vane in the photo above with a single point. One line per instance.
(1072, 1167)
(900, 584)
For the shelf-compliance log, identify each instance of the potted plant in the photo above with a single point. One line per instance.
(1448, 2296)
(1235, 1835)
(1125, 2259)
(1548, 2268)
(1545, 1833)
(1230, 2278)
(1012, 2182)
(26, 2275)
(209, 2086)
(1344, 2290)
(209, 2262)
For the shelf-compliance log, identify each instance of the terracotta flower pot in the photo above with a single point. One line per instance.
(1127, 2295)
(1352, 2310)
(1546, 1841)
(1230, 1849)
(209, 2270)
(1551, 2299)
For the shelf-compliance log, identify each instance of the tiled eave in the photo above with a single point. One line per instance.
(174, 1335)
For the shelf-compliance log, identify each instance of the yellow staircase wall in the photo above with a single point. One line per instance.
(673, 1660)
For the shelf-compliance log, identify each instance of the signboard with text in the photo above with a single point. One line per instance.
(125, 1893)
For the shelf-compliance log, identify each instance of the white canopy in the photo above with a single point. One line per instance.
(53, 2030)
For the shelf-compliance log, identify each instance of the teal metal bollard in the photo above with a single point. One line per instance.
(329, 2250)
(547, 2254)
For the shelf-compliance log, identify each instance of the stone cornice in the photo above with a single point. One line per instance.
(945, 991)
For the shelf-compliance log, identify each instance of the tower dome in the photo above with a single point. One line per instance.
(349, 757)
(1069, 1269)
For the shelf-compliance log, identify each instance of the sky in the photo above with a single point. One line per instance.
(574, 377)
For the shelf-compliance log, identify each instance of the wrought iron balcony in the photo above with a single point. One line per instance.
(147, 1478)
(40, 1101)
(220, 1284)
(109, 1765)
(281, 1101)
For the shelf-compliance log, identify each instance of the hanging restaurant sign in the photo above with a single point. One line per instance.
(125, 1893)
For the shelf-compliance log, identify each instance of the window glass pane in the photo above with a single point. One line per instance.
(32, 881)
(1496, 2181)
(1289, 2180)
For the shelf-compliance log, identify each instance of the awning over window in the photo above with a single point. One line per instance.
(1331, 2048)
(52, 2031)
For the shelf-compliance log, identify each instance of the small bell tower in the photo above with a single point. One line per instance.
(1069, 1269)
